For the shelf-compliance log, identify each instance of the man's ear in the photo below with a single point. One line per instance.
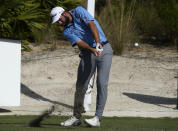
(64, 13)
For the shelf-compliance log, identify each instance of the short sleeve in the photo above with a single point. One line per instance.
(83, 14)
(71, 37)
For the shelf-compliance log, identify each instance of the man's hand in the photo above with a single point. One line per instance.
(95, 52)
(99, 47)
(87, 47)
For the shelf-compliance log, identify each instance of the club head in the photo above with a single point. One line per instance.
(36, 122)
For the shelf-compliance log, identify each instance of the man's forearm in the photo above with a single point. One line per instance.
(94, 31)
(84, 45)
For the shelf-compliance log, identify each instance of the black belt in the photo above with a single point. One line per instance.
(104, 43)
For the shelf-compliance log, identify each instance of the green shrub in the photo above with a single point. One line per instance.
(157, 21)
(168, 13)
(26, 18)
(149, 25)
(19, 18)
(30, 20)
(116, 18)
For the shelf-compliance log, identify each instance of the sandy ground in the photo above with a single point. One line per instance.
(141, 84)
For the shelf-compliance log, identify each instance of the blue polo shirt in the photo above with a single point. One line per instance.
(79, 30)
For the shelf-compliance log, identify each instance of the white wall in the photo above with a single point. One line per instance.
(10, 65)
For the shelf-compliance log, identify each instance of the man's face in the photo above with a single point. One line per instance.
(63, 20)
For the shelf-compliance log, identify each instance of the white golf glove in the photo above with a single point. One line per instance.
(99, 47)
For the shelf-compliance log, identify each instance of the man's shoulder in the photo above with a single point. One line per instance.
(76, 12)
(79, 9)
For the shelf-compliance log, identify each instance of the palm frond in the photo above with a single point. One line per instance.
(31, 13)
(36, 25)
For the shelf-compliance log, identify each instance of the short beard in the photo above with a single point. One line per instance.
(67, 21)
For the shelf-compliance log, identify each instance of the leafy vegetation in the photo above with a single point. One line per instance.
(157, 21)
(20, 18)
(123, 21)
(116, 19)
(145, 21)
(29, 19)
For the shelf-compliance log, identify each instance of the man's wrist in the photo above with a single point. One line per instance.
(91, 49)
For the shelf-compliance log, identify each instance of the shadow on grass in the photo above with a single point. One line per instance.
(156, 100)
(28, 92)
(4, 110)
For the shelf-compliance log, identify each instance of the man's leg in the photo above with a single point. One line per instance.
(103, 70)
(86, 70)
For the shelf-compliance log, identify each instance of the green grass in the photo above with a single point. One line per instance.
(19, 123)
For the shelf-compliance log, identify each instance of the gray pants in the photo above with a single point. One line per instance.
(87, 67)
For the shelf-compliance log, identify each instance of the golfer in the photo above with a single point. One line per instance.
(81, 29)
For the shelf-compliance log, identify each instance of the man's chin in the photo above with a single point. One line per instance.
(65, 24)
(67, 21)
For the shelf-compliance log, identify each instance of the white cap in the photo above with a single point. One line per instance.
(56, 13)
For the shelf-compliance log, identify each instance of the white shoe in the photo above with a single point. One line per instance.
(94, 122)
(72, 121)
